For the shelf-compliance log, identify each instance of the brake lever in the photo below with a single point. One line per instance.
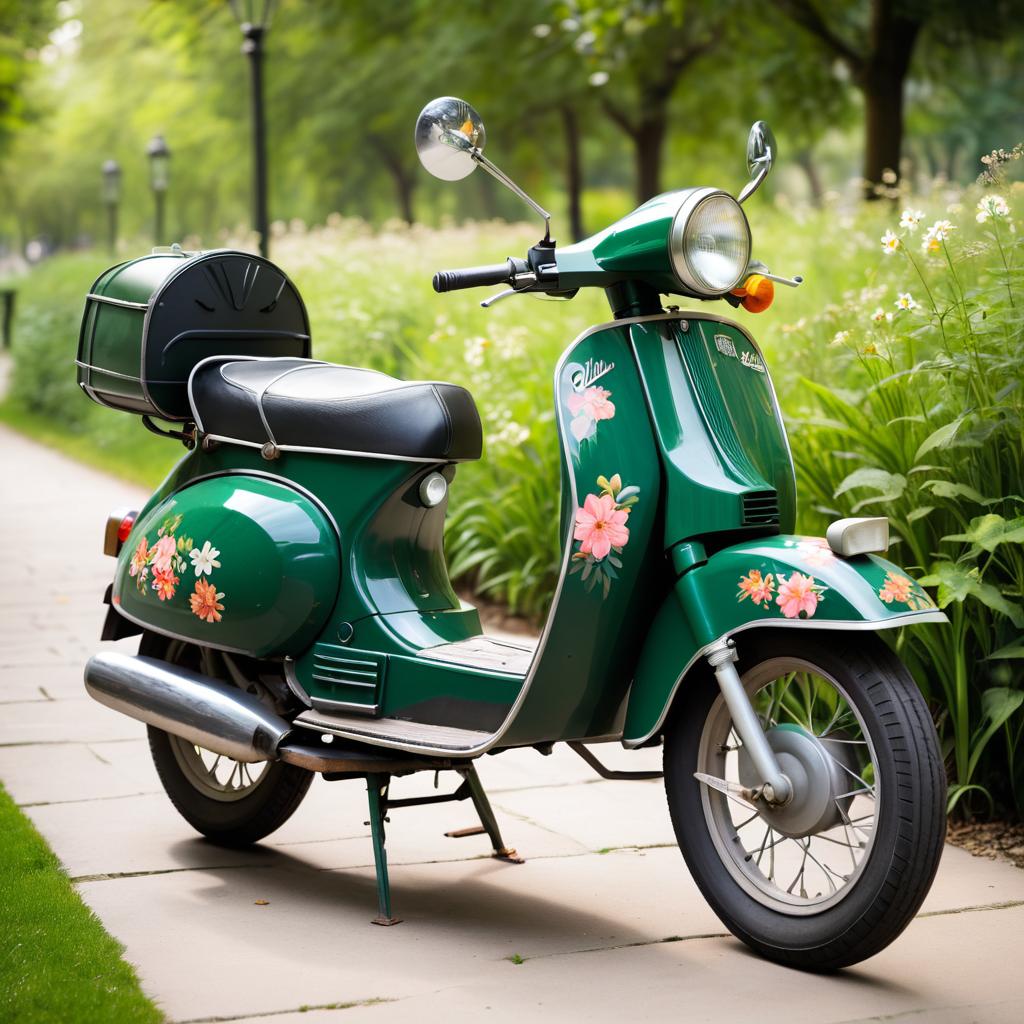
(790, 282)
(487, 303)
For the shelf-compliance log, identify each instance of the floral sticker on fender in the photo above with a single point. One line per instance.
(162, 564)
(798, 594)
(602, 532)
(899, 589)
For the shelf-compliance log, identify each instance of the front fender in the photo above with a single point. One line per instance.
(771, 581)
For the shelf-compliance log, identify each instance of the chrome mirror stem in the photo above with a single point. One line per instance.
(496, 172)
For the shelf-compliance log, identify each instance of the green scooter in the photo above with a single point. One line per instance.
(288, 577)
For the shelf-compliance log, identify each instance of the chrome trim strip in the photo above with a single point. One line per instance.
(326, 704)
(843, 625)
(104, 370)
(292, 681)
(123, 303)
(336, 451)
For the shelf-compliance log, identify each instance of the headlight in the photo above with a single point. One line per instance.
(710, 242)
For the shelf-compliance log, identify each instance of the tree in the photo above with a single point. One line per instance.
(23, 25)
(637, 52)
(875, 40)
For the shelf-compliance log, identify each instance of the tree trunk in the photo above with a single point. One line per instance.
(881, 77)
(806, 161)
(573, 172)
(648, 143)
(405, 183)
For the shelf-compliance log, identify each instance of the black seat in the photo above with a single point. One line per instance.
(305, 404)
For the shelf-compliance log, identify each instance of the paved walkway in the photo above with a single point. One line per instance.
(603, 916)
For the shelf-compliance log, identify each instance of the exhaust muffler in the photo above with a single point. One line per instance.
(206, 711)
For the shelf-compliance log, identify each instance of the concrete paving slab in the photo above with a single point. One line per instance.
(76, 720)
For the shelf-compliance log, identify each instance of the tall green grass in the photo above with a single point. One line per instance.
(915, 415)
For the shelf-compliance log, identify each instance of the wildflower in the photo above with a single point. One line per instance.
(890, 242)
(759, 589)
(205, 602)
(475, 348)
(841, 338)
(879, 315)
(204, 560)
(992, 206)
(909, 219)
(798, 594)
(870, 349)
(599, 78)
(600, 526)
(541, 31)
(938, 233)
(905, 301)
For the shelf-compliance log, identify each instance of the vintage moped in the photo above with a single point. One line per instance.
(289, 584)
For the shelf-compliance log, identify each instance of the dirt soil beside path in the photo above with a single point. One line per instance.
(995, 840)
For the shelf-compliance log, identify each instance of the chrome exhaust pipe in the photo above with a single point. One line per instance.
(206, 711)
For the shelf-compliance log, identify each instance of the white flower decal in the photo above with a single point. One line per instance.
(204, 559)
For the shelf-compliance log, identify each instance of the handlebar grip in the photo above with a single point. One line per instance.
(473, 277)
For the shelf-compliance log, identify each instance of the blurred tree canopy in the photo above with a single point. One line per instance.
(585, 101)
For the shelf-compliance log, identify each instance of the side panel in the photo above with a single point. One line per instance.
(780, 581)
(613, 574)
(236, 562)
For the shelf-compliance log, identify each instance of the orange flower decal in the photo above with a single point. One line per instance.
(164, 582)
(895, 588)
(759, 589)
(205, 602)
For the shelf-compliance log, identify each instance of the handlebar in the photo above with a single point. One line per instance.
(474, 277)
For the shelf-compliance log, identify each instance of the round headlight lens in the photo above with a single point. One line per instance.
(714, 250)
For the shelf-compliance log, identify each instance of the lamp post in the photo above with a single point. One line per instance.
(159, 176)
(112, 198)
(253, 17)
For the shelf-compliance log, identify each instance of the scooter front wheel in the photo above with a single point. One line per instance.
(835, 875)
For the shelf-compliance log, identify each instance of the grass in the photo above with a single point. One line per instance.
(56, 961)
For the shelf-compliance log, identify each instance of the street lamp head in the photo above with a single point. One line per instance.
(111, 182)
(252, 15)
(159, 163)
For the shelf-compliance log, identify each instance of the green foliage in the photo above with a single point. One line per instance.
(56, 961)
(927, 430)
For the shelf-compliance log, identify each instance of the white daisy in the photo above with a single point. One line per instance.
(992, 206)
(911, 218)
(890, 242)
(905, 301)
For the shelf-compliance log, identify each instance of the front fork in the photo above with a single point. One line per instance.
(776, 788)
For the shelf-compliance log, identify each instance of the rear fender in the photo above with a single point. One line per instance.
(779, 581)
(242, 563)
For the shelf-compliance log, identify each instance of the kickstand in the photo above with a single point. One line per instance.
(488, 823)
(377, 794)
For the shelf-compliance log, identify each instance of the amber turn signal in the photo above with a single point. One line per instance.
(756, 293)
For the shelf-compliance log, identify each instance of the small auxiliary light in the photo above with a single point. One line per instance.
(756, 294)
(119, 526)
(433, 489)
(849, 537)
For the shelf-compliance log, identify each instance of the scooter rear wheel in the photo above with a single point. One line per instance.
(229, 802)
(834, 876)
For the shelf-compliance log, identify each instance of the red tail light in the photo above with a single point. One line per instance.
(119, 526)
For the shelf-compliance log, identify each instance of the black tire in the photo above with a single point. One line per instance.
(240, 822)
(909, 829)
(242, 819)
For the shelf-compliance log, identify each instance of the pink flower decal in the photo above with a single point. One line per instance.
(816, 552)
(759, 589)
(140, 558)
(164, 551)
(586, 408)
(601, 526)
(602, 532)
(164, 583)
(798, 594)
(592, 403)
